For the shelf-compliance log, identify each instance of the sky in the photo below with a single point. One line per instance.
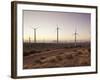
(46, 23)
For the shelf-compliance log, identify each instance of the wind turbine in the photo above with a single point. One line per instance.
(57, 34)
(29, 39)
(75, 34)
(29, 42)
(35, 40)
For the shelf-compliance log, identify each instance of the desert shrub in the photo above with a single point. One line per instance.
(27, 53)
(66, 47)
(35, 51)
(69, 56)
(38, 61)
(47, 50)
(71, 47)
(43, 57)
(74, 50)
(53, 59)
(79, 52)
(89, 50)
(79, 46)
(59, 58)
(84, 63)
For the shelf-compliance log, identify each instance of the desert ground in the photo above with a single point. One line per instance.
(50, 55)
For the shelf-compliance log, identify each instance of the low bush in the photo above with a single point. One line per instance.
(69, 56)
(59, 58)
(38, 61)
(27, 53)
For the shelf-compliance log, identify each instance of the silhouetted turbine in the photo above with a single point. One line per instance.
(29, 39)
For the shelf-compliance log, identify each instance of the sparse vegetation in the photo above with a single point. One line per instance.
(59, 57)
(38, 61)
(79, 52)
(31, 52)
(69, 56)
(89, 50)
(55, 55)
(47, 50)
(43, 57)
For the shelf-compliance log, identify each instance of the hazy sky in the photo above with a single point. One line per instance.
(47, 21)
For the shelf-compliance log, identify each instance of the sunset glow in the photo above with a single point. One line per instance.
(46, 23)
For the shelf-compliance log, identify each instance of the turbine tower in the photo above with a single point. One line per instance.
(35, 40)
(29, 42)
(75, 37)
(29, 39)
(57, 34)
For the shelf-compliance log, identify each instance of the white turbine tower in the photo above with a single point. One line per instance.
(35, 35)
(57, 34)
(75, 38)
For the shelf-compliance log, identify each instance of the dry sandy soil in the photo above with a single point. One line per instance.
(65, 57)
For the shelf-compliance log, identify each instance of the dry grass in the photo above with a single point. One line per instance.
(27, 53)
(58, 58)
